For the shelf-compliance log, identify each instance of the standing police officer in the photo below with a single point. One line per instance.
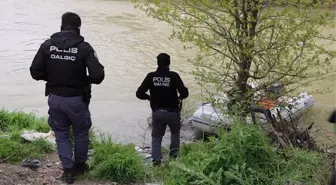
(62, 61)
(163, 85)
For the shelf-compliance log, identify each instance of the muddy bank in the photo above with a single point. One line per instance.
(48, 174)
(50, 171)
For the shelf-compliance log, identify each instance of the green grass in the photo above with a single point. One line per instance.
(18, 120)
(245, 156)
(13, 148)
(13, 151)
(92, 137)
(116, 163)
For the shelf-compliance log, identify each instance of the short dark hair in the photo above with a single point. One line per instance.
(163, 60)
(70, 19)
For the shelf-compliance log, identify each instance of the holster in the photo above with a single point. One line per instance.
(87, 94)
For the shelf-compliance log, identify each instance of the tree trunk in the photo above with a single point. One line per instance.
(246, 29)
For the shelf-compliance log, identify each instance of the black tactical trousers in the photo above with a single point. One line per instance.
(161, 119)
(63, 113)
(333, 180)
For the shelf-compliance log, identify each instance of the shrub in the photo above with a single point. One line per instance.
(243, 156)
(117, 163)
(299, 165)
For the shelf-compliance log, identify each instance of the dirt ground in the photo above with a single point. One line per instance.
(51, 170)
(49, 174)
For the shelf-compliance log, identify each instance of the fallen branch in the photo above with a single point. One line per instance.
(290, 134)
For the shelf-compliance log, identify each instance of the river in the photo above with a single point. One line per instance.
(126, 41)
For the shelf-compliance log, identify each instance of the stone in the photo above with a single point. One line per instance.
(90, 152)
(49, 165)
(30, 180)
(138, 149)
(33, 136)
(52, 179)
(186, 142)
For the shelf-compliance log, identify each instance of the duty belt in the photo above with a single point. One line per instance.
(67, 92)
(165, 110)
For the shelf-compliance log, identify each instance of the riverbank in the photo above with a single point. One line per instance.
(28, 153)
(49, 173)
(244, 156)
(126, 41)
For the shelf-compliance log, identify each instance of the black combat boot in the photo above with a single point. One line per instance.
(68, 176)
(173, 157)
(81, 168)
(156, 162)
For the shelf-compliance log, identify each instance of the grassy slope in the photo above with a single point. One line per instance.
(245, 156)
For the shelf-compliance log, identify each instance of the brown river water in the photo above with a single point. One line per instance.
(126, 41)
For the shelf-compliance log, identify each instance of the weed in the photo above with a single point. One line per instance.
(17, 121)
(14, 148)
(13, 123)
(14, 151)
(243, 156)
(117, 163)
(92, 137)
(156, 174)
(303, 166)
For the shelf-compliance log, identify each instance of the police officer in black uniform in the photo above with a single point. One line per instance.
(163, 86)
(62, 61)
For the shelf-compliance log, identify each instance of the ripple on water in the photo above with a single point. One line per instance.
(119, 35)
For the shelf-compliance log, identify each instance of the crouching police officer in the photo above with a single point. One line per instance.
(62, 62)
(163, 85)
